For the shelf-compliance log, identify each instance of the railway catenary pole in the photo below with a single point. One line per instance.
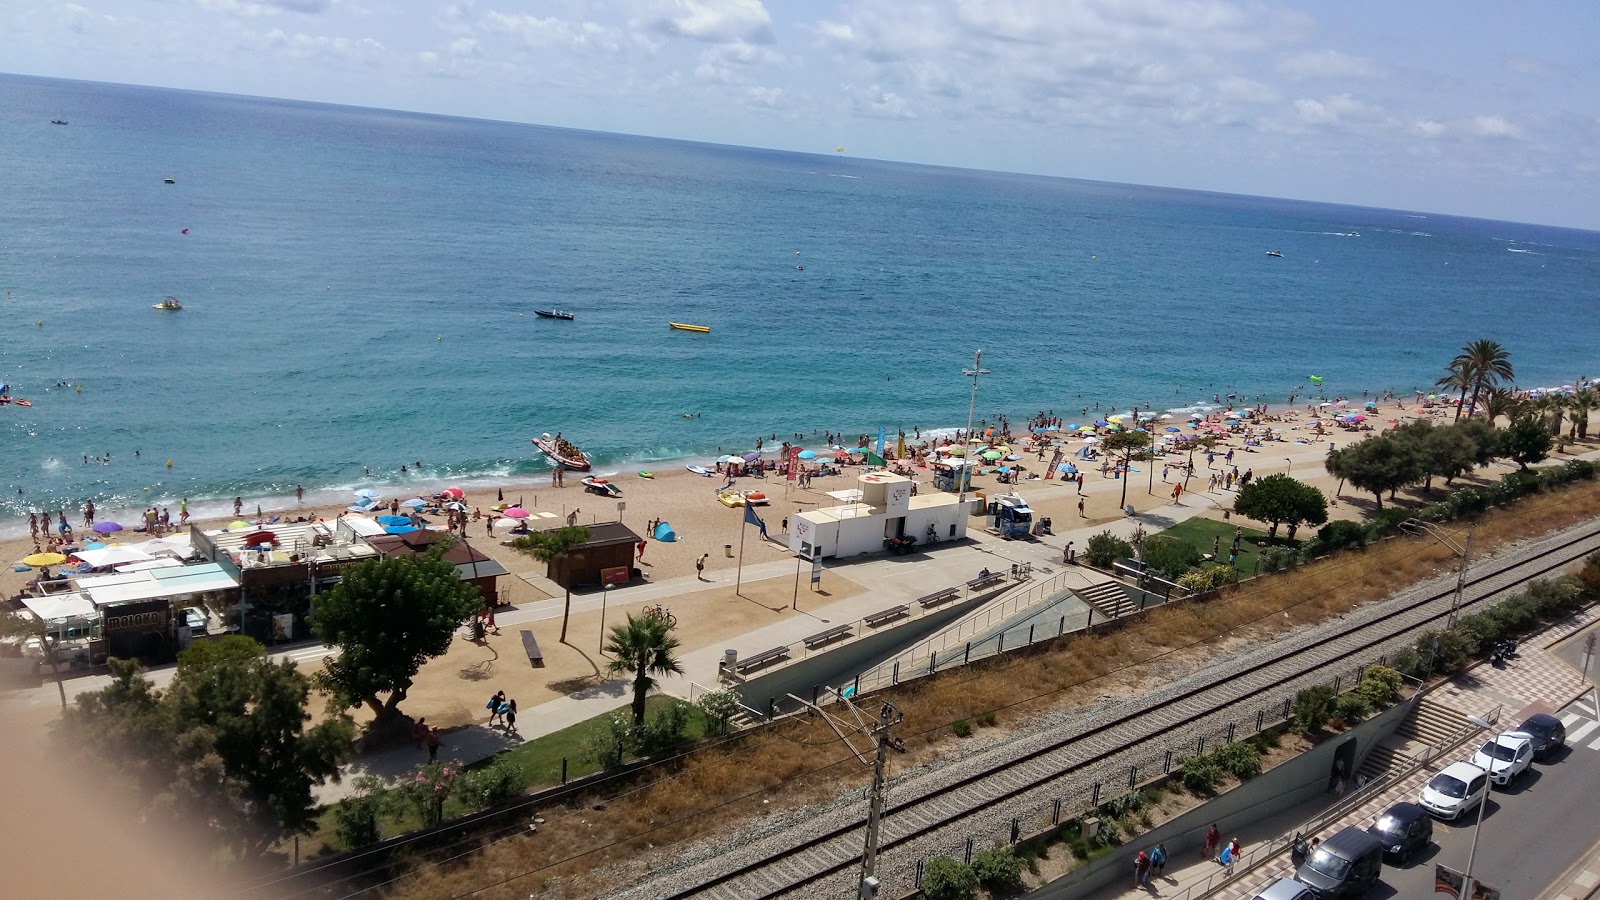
(888, 717)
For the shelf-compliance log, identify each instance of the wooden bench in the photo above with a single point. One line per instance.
(823, 637)
(532, 646)
(938, 597)
(764, 658)
(986, 581)
(873, 620)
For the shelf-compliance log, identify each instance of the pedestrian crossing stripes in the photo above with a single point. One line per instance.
(1582, 723)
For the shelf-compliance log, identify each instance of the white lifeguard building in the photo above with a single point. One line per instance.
(881, 509)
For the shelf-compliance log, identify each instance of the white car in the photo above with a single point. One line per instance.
(1505, 756)
(1460, 787)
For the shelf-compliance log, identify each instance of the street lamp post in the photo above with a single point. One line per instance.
(605, 594)
(1465, 552)
(1466, 877)
(1291, 465)
(972, 406)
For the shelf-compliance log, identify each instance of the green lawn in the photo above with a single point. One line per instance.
(1199, 532)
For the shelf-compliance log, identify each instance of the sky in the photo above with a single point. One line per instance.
(1477, 108)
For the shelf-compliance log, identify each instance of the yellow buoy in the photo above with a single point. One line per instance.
(80, 388)
(169, 463)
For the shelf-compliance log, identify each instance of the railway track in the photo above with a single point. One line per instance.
(1032, 771)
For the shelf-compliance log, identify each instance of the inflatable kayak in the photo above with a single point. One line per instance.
(699, 470)
(647, 474)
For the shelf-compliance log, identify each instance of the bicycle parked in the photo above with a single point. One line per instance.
(661, 612)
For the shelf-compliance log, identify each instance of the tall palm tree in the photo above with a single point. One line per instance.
(1458, 378)
(1501, 402)
(1581, 404)
(1555, 406)
(555, 547)
(1488, 363)
(642, 648)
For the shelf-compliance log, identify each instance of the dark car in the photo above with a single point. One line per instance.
(1548, 734)
(1404, 829)
(1344, 866)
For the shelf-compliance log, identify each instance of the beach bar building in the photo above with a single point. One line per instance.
(473, 566)
(606, 558)
(880, 509)
(280, 566)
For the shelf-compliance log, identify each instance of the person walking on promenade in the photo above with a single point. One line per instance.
(700, 567)
(511, 716)
(1080, 507)
(1141, 869)
(1158, 860)
(1213, 841)
(433, 745)
(494, 707)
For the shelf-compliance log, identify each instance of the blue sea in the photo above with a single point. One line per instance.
(360, 285)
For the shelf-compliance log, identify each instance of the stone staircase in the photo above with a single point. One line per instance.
(1108, 599)
(1430, 721)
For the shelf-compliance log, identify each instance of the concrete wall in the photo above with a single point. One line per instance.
(838, 667)
(1297, 781)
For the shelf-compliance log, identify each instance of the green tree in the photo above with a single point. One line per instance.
(1485, 440)
(718, 709)
(555, 546)
(225, 744)
(1105, 548)
(1487, 364)
(642, 647)
(1125, 442)
(1526, 441)
(1444, 450)
(25, 625)
(1199, 443)
(388, 617)
(1500, 402)
(1167, 556)
(1457, 378)
(1278, 500)
(1581, 405)
(1377, 464)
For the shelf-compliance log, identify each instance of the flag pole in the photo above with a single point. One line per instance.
(738, 578)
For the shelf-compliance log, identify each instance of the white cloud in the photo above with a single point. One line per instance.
(550, 31)
(878, 103)
(764, 97)
(1429, 128)
(317, 46)
(1493, 126)
(1328, 64)
(716, 21)
(256, 8)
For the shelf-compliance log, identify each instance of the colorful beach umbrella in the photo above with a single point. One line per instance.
(237, 523)
(808, 454)
(992, 454)
(515, 512)
(1170, 429)
(43, 559)
(956, 450)
(107, 527)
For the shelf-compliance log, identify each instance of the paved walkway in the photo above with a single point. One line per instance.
(1538, 682)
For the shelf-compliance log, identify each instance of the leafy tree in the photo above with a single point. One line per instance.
(642, 647)
(1125, 442)
(1202, 443)
(24, 625)
(1168, 556)
(555, 546)
(224, 744)
(1279, 499)
(357, 820)
(1486, 363)
(388, 617)
(1442, 450)
(493, 784)
(1312, 707)
(718, 709)
(1377, 464)
(1526, 441)
(1105, 548)
(1485, 440)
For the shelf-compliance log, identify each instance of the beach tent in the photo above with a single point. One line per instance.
(665, 534)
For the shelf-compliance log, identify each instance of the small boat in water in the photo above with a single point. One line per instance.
(602, 487)
(58, 121)
(552, 314)
(172, 303)
(562, 452)
(682, 327)
(1277, 253)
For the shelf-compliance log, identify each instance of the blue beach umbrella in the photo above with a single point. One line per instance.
(1101, 424)
(398, 529)
(1171, 430)
(414, 503)
(808, 454)
(1074, 426)
(394, 520)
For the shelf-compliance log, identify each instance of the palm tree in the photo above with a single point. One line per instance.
(1556, 405)
(1458, 379)
(1487, 363)
(552, 547)
(642, 648)
(1581, 404)
(1501, 402)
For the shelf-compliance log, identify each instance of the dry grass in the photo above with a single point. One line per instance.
(588, 847)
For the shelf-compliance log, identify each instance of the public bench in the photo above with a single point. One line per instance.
(938, 597)
(873, 620)
(764, 658)
(824, 637)
(532, 646)
(986, 581)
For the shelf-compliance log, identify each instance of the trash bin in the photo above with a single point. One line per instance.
(728, 549)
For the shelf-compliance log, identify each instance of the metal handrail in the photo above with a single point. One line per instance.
(982, 618)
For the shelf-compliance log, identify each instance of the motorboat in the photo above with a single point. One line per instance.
(1277, 253)
(552, 314)
(602, 487)
(171, 303)
(58, 121)
(706, 329)
(562, 452)
(755, 498)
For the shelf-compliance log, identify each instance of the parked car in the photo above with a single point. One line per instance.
(1458, 788)
(1548, 734)
(1344, 866)
(1505, 756)
(1284, 889)
(1404, 829)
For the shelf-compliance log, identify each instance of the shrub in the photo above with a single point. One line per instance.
(609, 742)
(492, 785)
(1352, 707)
(1169, 557)
(946, 878)
(1105, 548)
(1312, 708)
(989, 719)
(1381, 685)
(718, 708)
(356, 820)
(1199, 774)
(1411, 663)
(1277, 559)
(428, 787)
(1343, 535)
(665, 728)
(962, 728)
(1208, 578)
(1239, 759)
(998, 868)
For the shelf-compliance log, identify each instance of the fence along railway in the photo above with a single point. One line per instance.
(1107, 753)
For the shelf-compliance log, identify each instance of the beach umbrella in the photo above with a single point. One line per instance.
(1196, 416)
(1170, 429)
(955, 451)
(808, 454)
(394, 520)
(458, 507)
(992, 454)
(1101, 424)
(238, 523)
(1074, 426)
(1091, 440)
(515, 512)
(367, 494)
(507, 523)
(398, 529)
(454, 492)
(107, 527)
(752, 456)
(1113, 418)
(1166, 417)
(43, 559)
(414, 503)
(1006, 469)
(94, 546)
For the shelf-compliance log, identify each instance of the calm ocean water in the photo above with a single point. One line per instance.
(360, 286)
